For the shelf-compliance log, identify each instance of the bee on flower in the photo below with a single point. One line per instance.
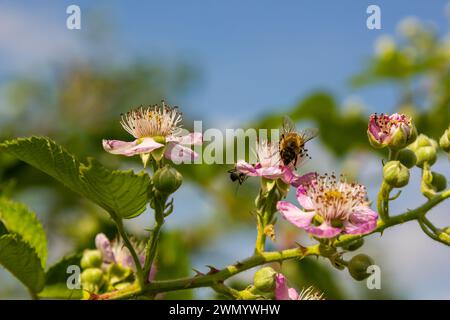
(330, 206)
(157, 132)
(269, 165)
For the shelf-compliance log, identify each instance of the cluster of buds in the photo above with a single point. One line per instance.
(110, 266)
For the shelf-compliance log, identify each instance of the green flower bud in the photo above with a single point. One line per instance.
(395, 174)
(438, 181)
(357, 266)
(118, 273)
(326, 251)
(92, 276)
(426, 154)
(407, 158)
(421, 141)
(264, 279)
(354, 245)
(91, 259)
(444, 141)
(167, 180)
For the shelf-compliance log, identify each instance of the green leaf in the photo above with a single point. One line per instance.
(56, 280)
(121, 193)
(22, 261)
(17, 218)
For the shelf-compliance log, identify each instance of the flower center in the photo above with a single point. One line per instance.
(334, 199)
(152, 121)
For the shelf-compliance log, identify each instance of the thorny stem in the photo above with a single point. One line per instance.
(258, 259)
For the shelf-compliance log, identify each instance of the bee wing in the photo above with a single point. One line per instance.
(288, 125)
(309, 134)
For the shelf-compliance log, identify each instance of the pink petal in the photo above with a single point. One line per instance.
(145, 145)
(119, 147)
(293, 294)
(292, 178)
(270, 172)
(246, 168)
(294, 215)
(281, 288)
(179, 154)
(363, 220)
(325, 230)
(193, 138)
(103, 244)
(303, 199)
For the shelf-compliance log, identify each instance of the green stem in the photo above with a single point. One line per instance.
(151, 250)
(127, 242)
(261, 236)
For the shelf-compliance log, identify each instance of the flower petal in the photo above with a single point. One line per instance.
(281, 288)
(194, 138)
(246, 168)
(363, 220)
(179, 154)
(270, 172)
(145, 145)
(294, 215)
(293, 294)
(292, 178)
(103, 244)
(303, 199)
(119, 147)
(325, 230)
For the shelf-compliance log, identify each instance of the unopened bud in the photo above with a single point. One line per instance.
(354, 245)
(438, 181)
(395, 174)
(426, 154)
(92, 276)
(167, 180)
(91, 259)
(264, 279)
(357, 266)
(407, 157)
(444, 141)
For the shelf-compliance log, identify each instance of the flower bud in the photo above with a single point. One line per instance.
(444, 141)
(264, 279)
(395, 131)
(118, 273)
(354, 245)
(92, 276)
(357, 266)
(395, 174)
(167, 180)
(438, 181)
(422, 141)
(426, 154)
(91, 259)
(407, 158)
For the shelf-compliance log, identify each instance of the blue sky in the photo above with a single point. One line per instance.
(252, 56)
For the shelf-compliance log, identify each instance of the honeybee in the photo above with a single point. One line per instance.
(235, 175)
(292, 143)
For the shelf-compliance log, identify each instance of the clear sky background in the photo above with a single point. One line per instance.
(252, 56)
